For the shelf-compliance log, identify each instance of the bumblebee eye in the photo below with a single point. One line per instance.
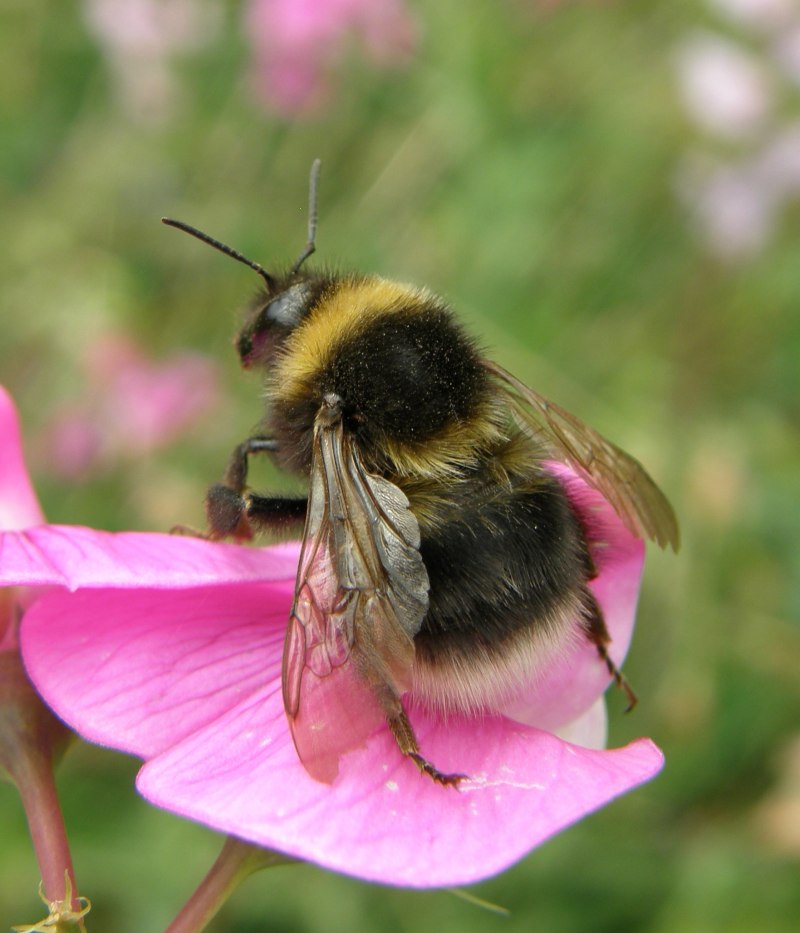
(272, 323)
(288, 308)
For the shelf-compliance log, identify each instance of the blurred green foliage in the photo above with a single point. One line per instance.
(523, 164)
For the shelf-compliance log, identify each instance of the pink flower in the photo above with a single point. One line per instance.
(725, 89)
(759, 15)
(786, 51)
(31, 738)
(297, 43)
(132, 405)
(19, 507)
(140, 39)
(734, 206)
(170, 648)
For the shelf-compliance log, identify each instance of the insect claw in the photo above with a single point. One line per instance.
(447, 780)
(403, 732)
(188, 532)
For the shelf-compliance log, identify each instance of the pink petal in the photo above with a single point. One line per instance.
(192, 676)
(570, 686)
(590, 730)
(381, 820)
(74, 557)
(141, 670)
(19, 507)
(116, 663)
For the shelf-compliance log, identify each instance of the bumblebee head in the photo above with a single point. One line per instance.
(287, 298)
(275, 315)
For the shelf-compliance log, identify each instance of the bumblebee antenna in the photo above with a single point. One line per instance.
(224, 248)
(311, 245)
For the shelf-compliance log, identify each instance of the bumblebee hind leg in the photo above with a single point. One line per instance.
(598, 634)
(403, 733)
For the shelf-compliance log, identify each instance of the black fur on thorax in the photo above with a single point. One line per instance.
(404, 374)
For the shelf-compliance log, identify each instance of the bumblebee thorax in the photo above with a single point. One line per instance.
(413, 388)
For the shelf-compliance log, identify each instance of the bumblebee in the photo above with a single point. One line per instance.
(440, 559)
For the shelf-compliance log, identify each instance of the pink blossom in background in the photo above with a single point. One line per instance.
(732, 208)
(786, 51)
(736, 91)
(724, 88)
(131, 406)
(170, 648)
(151, 27)
(759, 15)
(297, 44)
(778, 163)
(141, 38)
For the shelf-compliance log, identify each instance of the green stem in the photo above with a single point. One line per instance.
(237, 861)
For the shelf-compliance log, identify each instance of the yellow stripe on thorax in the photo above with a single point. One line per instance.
(339, 315)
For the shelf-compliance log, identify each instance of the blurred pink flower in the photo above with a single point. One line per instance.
(131, 406)
(140, 38)
(725, 89)
(736, 92)
(786, 51)
(760, 15)
(778, 163)
(731, 206)
(170, 648)
(736, 205)
(297, 44)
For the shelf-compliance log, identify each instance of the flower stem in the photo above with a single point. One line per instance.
(31, 739)
(37, 789)
(237, 861)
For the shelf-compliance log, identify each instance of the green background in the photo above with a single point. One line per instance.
(523, 164)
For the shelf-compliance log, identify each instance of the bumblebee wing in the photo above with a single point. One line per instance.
(621, 479)
(360, 597)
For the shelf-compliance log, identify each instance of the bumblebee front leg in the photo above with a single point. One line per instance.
(235, 477)
(232, 512)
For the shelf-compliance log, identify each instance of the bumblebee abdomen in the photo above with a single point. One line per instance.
(507, 592)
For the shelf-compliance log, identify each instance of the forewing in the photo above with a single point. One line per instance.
(620, 478)
(360, 597)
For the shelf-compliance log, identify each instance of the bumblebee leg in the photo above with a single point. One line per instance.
(276, 512)
(187, 531)
(403, 733)
(227, 508)
(226, 511)
(239, 516)
(236, 473)
(598, 635)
